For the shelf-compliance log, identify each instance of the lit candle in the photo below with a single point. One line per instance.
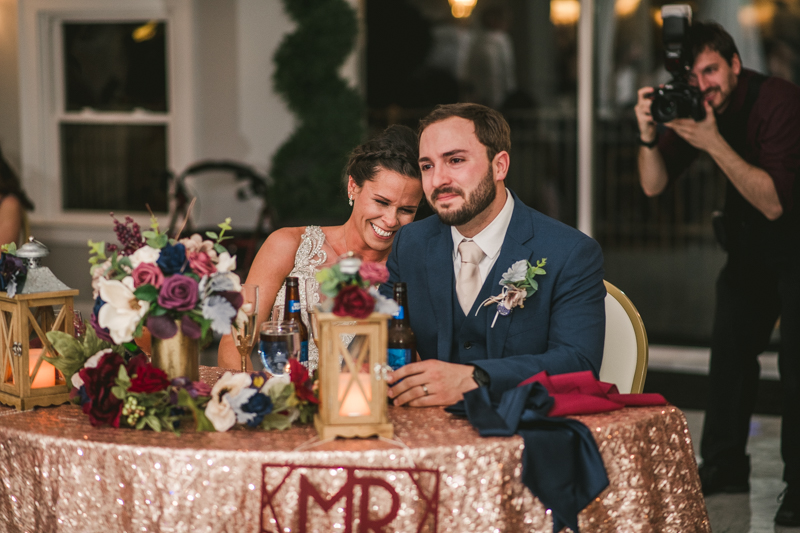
(47, 372)
(354, 403)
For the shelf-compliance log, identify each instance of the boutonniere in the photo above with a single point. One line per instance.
(518, 285)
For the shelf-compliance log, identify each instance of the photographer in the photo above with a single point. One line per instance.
(751, 129)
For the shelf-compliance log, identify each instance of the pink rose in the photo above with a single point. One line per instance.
(374, 273)
(201, 264)
(148, 273)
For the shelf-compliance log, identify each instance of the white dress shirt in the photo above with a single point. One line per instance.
(490, 239)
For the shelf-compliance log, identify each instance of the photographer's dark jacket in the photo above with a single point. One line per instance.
(762, 125)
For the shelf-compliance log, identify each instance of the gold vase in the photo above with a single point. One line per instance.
(178, 356)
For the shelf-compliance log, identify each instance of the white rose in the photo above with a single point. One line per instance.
(145, 254)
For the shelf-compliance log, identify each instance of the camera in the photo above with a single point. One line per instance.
(677, 99)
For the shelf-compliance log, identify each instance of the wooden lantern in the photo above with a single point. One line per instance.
(352, 377)
(44, 304)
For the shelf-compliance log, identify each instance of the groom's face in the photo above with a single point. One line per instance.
(457, 175)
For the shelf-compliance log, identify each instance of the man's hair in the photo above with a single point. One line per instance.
(711, 35)
(395, 149)
(490, 127)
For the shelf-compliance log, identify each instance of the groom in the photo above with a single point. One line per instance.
(453, 262)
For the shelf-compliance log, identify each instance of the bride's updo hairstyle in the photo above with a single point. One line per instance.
(396, 150)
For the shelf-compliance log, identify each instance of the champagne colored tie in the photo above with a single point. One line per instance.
(468, 284)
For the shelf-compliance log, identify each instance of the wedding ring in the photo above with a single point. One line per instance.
(425, 389)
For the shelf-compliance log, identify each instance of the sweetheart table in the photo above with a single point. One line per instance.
(60, 474)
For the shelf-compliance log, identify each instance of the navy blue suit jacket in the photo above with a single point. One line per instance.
(562, 326)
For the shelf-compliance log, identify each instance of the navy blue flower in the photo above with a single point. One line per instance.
(172, 259)
(260, 405)
(98, 303)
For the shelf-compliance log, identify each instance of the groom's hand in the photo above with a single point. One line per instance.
(430, 382)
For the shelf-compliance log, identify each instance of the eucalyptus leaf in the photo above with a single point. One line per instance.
(157, 310)
(212, 235)
(140, 423)
(539, 271)
(118, 392)
(219, 248)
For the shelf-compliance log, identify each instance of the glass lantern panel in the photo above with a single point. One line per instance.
(49, 319)
(355, 385)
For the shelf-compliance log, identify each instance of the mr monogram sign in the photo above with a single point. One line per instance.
(348, 499)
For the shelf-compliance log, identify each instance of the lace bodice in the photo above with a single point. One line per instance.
(309, 257)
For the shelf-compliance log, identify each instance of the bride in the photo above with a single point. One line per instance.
(384, 189)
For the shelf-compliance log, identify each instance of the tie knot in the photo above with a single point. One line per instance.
(470, 252)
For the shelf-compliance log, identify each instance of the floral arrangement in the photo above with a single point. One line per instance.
(351, 286)
(118, 390)
(13, 270)
(164, 284)
(518, 285)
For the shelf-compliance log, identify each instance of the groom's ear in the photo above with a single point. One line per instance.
(500, 165)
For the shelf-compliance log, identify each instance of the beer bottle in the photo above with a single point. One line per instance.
(402, 341)
(291, 312)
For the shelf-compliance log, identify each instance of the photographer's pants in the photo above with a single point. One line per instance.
(752, 292)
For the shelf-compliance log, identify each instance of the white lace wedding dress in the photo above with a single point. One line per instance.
(309, 257)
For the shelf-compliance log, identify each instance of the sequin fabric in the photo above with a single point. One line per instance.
(308, 258)
(60, 474)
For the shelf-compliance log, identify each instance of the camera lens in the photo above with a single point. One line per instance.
(664, 108)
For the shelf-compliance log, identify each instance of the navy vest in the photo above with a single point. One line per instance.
(469, 332)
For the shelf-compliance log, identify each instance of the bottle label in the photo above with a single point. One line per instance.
(304, 351)
(400, 314)
(294, 306)
(397, 357)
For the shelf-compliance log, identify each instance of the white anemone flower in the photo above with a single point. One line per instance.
(145, 254)
(226, 263)
(219, 410)
(122, 311)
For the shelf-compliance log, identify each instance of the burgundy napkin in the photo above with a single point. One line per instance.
(580, 393)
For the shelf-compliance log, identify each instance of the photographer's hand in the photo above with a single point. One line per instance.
(647, 128)
(703, 135)
(652, 171)
(752, 182)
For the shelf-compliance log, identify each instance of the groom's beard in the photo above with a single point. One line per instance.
(479, 200)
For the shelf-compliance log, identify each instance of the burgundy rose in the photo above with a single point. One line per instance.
(149, 379)
(179, 293)
(374, 273)
(147, 273)
(353, 301)
(201, 264)
(299, 376)
(103, 407)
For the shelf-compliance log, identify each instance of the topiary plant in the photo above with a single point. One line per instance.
(307, 168)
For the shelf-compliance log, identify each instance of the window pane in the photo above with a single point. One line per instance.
(115, 66)
(114, 167)
(513, 55)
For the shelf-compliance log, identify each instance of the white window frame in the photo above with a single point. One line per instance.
(42, 103)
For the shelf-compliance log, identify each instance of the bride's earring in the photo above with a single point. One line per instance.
(351, 200)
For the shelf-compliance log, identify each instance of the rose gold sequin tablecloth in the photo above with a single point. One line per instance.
(60, 474)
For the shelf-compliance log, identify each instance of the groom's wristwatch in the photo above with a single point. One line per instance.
(481, 377)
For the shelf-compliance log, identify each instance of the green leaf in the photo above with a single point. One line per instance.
(140, 424)
(146, 292)
(201, 420)
(158, 241)
(118, 392)
(71, 353)
(220, 249)
(157, 310)
(153, 422)
(212, 235)
(226, 225)
(276, 421)
(149, 234)
(539, 271)
(534, 285)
